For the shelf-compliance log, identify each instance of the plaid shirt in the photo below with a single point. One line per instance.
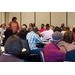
(33, 38)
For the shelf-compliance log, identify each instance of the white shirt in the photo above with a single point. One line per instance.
(2, 30)
(47, 34)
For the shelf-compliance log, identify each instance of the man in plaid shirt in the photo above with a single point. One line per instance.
(33, 38)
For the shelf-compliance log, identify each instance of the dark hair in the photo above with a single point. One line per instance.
(2, 24)
(13, 45)
(24, 25)
(68, 36)
(47, 24)
(35, 29)
(57, 29)
(13, 18)
(42, 24)
(74, 30)
(67, 28)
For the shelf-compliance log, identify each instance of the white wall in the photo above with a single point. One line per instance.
(14, 14)
(57, 18)
(42, 17)
(0, 18)
(71, 19)
(27, 17)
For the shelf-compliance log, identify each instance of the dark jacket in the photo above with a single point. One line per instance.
(62, 28)
(22, 34)
(5, 58)
(7, 34)
(70, 55)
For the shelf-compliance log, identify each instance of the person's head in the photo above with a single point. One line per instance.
(33, 24)
(14, 19)
(13, 45)
(3, 25)
(62, 25)
(68, 36)
(67, 28)
(24, 25)
(35, 29)
(73, 30)
(30, 25)
(23, 28)
(42, 26)
(47, 26)
(52, 27)
(57, 29)
(56, 36)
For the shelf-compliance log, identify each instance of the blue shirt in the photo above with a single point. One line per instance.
(33, 38)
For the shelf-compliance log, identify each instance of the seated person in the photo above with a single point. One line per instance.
(72, 28)
(48, 34)
(47, 26)
(42, 28)
(70, 55)
(13, 47)
(57, 29)
(2, 29)
(25, 27)
(74, 34)
(62, 27)
(23, 32)
(7, 33)
(65, 29)
(33, 38)
(67, 41)
(30, 27)
(52, 52)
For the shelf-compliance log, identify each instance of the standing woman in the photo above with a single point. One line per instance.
(14, 25)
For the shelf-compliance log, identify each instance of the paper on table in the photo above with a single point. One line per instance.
(23, 49)
(2, 48)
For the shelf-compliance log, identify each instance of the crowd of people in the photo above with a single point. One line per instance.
(60, 46)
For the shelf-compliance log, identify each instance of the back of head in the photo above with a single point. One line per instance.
(13, 45)
(68, 36)
(57, 29)
(23, 28)
(52, 27)
(56, 37)
(35, 29)
(67, 28)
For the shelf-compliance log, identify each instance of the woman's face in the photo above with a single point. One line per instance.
(15, 19)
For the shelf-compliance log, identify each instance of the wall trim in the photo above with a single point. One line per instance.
(66, 18)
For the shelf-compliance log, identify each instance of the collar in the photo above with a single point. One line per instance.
(55, 45)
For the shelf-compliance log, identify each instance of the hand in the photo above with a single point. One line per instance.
(38, 33)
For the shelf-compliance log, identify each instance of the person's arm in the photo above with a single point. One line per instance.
(38, 39)
(38, 33)
(18, 27)
(9, 24)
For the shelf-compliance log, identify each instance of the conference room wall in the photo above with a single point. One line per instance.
(2, 17)
(53, 18)
(71, 19)
(42, 18)
(57, 18)
(27, 18)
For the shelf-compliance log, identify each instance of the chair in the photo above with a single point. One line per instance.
(26, 46)
(42, 56)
